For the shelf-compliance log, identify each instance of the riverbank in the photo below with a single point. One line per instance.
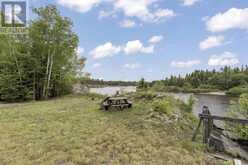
(214, 93)
(218, 102)
(72, 130)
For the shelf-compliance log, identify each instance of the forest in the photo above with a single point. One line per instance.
(42, 63)
(234, 81)
(97, 82)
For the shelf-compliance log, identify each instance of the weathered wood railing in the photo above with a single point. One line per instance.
(208, 123)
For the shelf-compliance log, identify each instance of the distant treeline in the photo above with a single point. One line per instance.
(232, 80)
(100, 83)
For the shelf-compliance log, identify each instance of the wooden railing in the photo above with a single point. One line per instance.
(208, 123)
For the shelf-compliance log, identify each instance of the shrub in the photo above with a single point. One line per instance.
(163, 106)
(145, 95)
(173, 89)
(189, 105)
(204, 86)
(237, 91)
(243, 102)
(158, 86)
(240, 109)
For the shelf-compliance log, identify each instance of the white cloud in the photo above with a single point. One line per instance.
(189, 2)
(211, 42)
(106, 50)
(225, 59)
(127, 23)
(156, 39)
(161, 13)
(80, 5)
(185, 64)
(132, 66)
(148, 50)
(103, 14)
(232, 19)
(131, 47)
(96, 65)
(136, 46)
(141, 9)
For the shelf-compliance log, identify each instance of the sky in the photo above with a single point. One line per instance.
(130, 39)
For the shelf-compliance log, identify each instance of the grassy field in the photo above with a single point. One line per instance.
(72, 130)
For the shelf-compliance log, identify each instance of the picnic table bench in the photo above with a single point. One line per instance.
(116, 102)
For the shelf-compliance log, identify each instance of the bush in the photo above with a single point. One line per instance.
(158, 86)
(190, 104)
(13, 91)
(163, 106)
(173, 89)
(204, 86)
(237, 91)
(243, 102)
(145, 95)
(240, 109)
(188, 107)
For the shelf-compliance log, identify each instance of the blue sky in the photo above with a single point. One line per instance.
(130, 39)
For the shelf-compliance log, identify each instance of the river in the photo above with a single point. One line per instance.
(110, 91)
(218, 104)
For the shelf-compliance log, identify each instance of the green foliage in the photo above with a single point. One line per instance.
(142, 84)
(158, 86)
(173, 89)
(205, 81)
(189, 105)
(237, 91)
(163, 106)
(243, 102)
(94, 96)
(12, 91)
(240, 110)
(15, 64)
(144, 96)
(86, 80)
(41, 64)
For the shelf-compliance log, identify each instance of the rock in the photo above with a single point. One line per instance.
(221, 143)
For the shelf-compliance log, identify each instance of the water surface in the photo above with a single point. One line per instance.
(218, 104)
(111, 91)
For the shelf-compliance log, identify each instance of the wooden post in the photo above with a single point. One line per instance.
(207, 124)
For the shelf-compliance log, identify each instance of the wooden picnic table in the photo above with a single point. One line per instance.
(116, 102)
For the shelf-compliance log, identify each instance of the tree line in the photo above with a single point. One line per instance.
(232, 80)
(42, 63)
(86, 80)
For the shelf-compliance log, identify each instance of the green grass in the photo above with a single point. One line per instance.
(73, 131)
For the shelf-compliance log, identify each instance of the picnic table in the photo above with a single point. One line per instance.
(116, 102)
